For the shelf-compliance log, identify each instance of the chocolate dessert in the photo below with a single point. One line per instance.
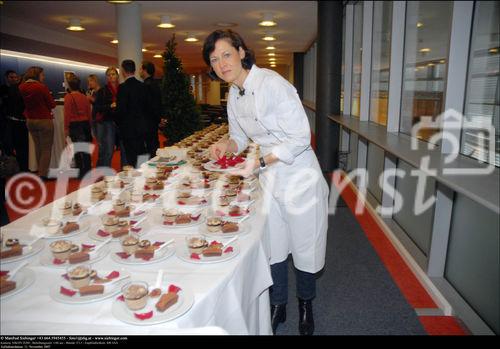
(229, 227)
(70, 227)
(91, 289)
(16, 250)
(78, 257)
(166, 301)
(6, 286)
(212, 251)
(183, 219)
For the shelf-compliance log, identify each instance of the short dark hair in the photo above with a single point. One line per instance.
(235, 40)
(128, 66)
(8, 72)
(148, 67)
(74, 83)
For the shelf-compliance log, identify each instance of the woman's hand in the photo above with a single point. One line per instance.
(218, 149)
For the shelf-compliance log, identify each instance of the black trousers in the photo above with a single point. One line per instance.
(133, 148)
(17, 142)
(152, 142)
(80, 132)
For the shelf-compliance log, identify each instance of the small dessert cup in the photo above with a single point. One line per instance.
(196, 244)
(129, 244)
(135, 294)
(52, 225)
(61, 249)
(79, 275)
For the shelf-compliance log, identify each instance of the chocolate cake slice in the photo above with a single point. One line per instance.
(166, 301)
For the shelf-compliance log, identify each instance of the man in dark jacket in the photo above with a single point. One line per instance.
(131, 107)
(155, 107)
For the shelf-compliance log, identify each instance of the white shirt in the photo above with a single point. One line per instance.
(271, 114)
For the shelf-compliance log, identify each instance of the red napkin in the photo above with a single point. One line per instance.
(122, 255)
(195, 218)
(136, 230)
(65, 276)
(67, 292)
(121, 298)
(194, 256)
(158, 243)
(57, 261)
(102, 233)
(88, 247)
(229, 249)
(4, 272)
(113, 275)
(174, 289)
(144, 316)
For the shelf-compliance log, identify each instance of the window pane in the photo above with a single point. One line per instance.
(481, 101)
(357, 51)
(381, 56)
(427, 41)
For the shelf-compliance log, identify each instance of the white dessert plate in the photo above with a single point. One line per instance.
(47, 259)
(160, 256)
(212, 166)
(242, 230)
(24, 278)
(83, 223)
(35, 248)
(183, 253)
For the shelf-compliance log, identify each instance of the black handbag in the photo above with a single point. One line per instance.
(8, 166)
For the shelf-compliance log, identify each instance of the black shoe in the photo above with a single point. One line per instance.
(306, 321)
(278, 315)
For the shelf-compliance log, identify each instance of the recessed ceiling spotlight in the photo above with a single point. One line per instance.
(271, 54)
(114, 41)
(144, 50)
(420, 24)
(225, 24)
(425, 50)
(191, 38)
(268, 37)
(165, 23)
(74, 25)
(267, 20)
(270, 47)
(157, 56)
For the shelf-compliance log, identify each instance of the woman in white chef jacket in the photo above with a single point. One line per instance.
(265, 108)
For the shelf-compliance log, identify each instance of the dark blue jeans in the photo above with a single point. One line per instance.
(105, 134)
(305, 284)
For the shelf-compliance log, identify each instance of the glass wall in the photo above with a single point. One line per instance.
(381, 57)
(482, 105)
(427, 41)
(357, 51)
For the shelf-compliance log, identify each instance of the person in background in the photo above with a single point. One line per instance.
(93, 86)
(265, 108)
(104, 118)
(131, 113)
(38, 103)
(153, 119)
(15, 133)
(77, 114)
(4, 217)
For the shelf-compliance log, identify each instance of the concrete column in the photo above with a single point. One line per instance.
(129, 33)
(328, 78)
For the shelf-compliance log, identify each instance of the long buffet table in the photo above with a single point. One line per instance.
(228, 296)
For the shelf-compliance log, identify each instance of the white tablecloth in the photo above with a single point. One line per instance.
(232, 295)
(57, 146)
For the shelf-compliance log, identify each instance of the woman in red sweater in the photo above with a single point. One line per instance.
(77, 114)
(38, 111)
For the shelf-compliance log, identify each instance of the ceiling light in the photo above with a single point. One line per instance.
(442, 61)
(225, 24)
(74, 25)
(272, 59)
(144, 50)
(425, 50)
(271, 54)
(191, 38)
(165, 22)
(430, 64)
(268, 37)
(267, 20)
(420, 24)
(114, 41)
(157, 56)
(273, 65)
(270, 47)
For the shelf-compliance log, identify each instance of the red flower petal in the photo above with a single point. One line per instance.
(174, 289)
(146, 187)
(122, 255)
(87, 247)
(113, 275)
(195, 218)
(215, 243)
(158, 243)
(146, 258)
(102, 233)
(229, 249)
(168, 223)
(67, 292)
(132, 222)
(144, 316)
(235, 214)
(4, 272)
(65, 276)
(121, 298)
(138, 213)
(57, 261)
(136, 230)
(194, 256)
(112, 212)
(181, 202)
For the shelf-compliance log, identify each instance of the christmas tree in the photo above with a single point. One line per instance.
(182, 113)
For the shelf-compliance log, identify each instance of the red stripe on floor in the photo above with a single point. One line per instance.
(442, 326)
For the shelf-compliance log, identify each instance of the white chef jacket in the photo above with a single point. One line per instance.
(270, 114)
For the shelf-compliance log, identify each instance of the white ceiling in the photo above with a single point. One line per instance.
(296, 29)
